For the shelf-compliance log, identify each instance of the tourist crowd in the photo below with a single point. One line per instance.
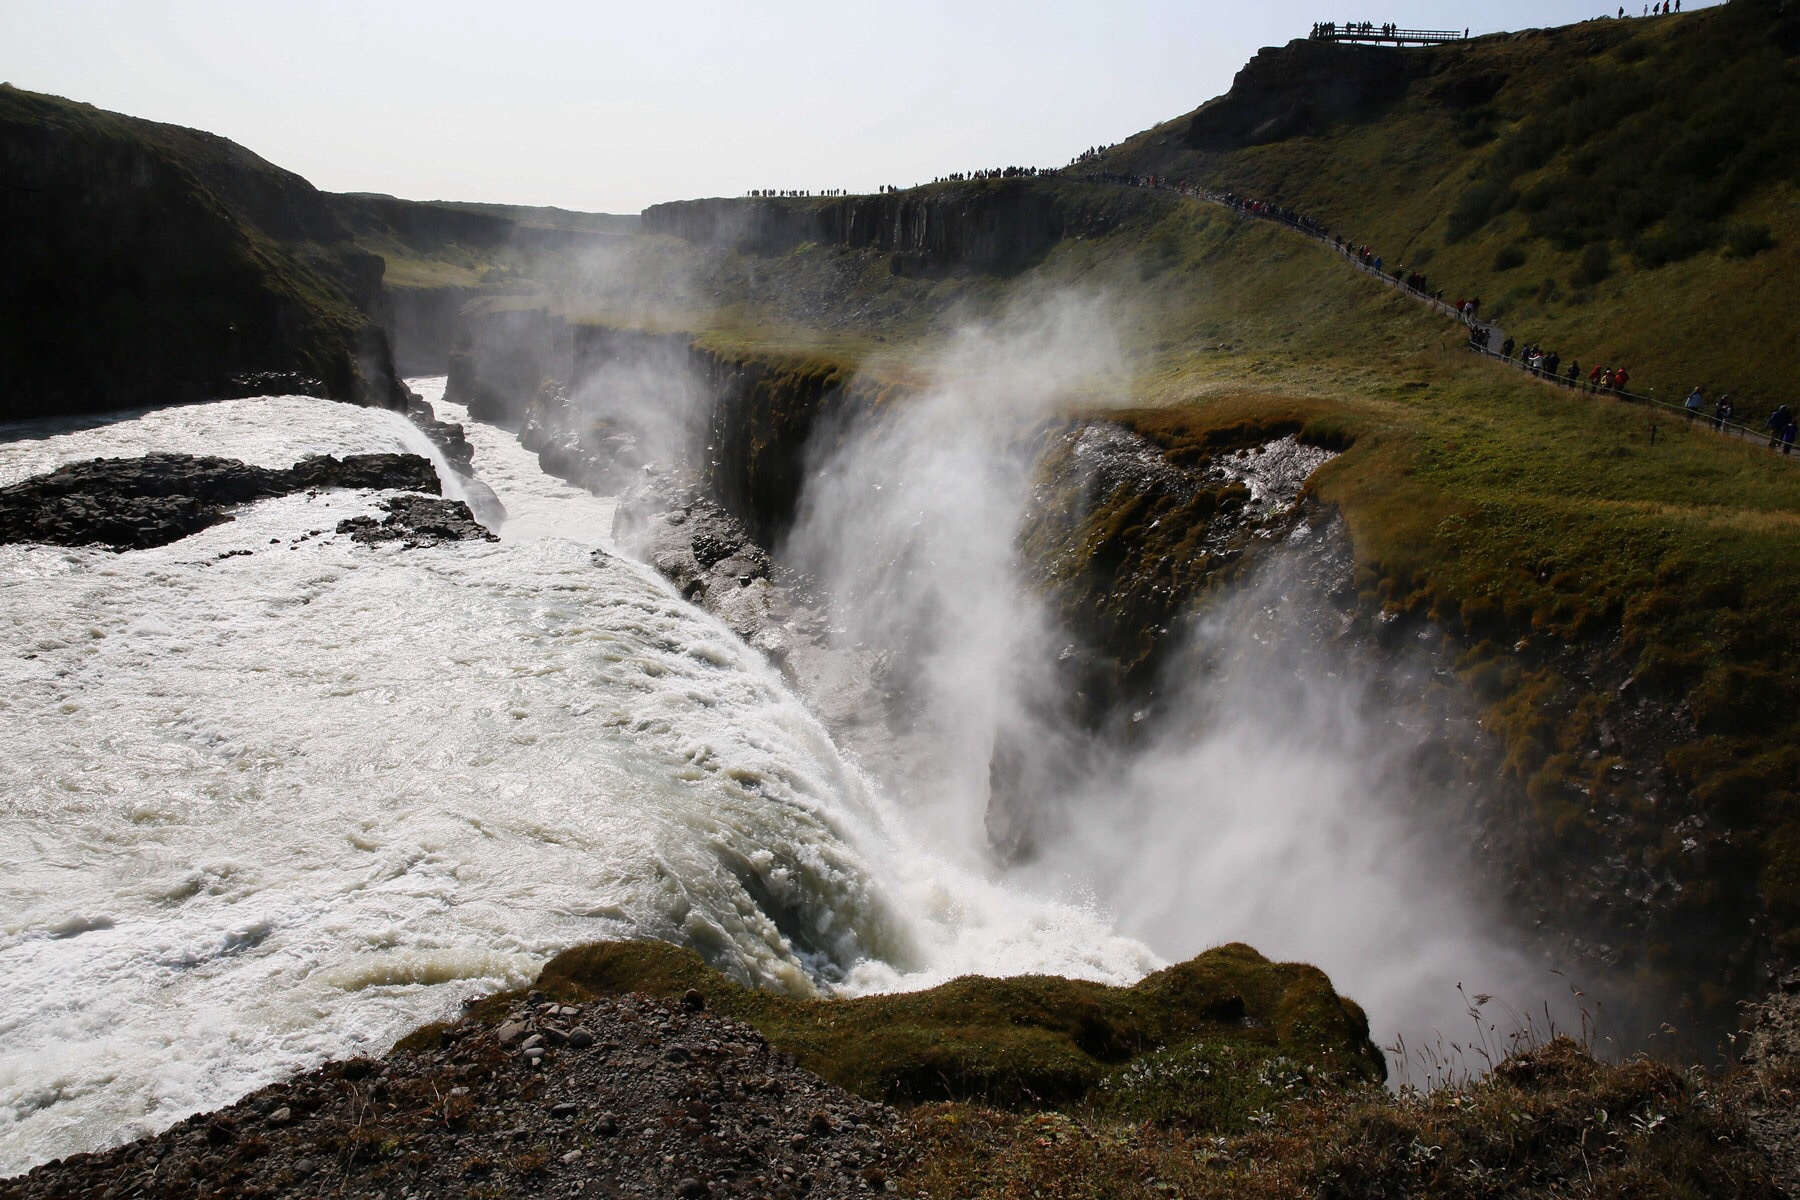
(1548, 365)
(1781, 426)
(994, 173)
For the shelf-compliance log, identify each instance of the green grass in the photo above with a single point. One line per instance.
(1628, 135)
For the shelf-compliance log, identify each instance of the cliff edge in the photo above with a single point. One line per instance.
(150, 264)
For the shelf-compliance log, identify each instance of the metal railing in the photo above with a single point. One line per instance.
(1253, 210)
(1699, 416)
(1364, 31)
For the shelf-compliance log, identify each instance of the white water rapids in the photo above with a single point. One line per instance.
(272, 797)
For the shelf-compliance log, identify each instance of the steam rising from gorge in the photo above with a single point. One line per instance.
(1271, 794)
(910, 521)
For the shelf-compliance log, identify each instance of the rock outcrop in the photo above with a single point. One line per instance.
(634, 1069)
(416, 521)
(1303, 88)
(449, 437)
(991, 226)
(137, 503)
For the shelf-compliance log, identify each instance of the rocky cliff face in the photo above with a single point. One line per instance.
(992, 226)
(421, 325)
(1304, 88)
(153, 264)
(598, 404)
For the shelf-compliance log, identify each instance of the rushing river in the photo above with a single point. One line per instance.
(272, 797)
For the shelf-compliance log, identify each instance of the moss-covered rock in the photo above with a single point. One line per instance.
(1029, 1041)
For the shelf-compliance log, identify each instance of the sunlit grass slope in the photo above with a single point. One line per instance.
(1621, 190)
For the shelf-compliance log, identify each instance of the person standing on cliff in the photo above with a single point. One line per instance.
(1695, 402)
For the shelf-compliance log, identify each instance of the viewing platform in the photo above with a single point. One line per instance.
(1369, 31)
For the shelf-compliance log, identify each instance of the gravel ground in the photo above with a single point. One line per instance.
(630, 1097)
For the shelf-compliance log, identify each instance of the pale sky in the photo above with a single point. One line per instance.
(610, 106)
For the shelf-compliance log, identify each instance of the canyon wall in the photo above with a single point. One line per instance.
(989, 226)
(153, 264)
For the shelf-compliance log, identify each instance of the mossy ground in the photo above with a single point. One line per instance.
(1225, 1076)
(1220, 1023)
(1551, 1122)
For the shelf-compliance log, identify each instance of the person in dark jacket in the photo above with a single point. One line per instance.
(1780, 424)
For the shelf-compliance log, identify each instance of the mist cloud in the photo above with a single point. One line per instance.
(1273, 796)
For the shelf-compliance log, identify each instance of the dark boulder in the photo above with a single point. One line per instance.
(137, 503)
(418, 521)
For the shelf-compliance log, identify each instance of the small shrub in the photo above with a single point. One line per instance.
(1746, 239)
(1679, 239)
(1509, 258)
(1485, 200)
(1596, 264)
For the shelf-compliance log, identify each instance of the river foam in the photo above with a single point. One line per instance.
(273, 797)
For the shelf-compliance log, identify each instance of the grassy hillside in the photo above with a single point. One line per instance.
(150, 263)
(1622, 190)
(539, 217)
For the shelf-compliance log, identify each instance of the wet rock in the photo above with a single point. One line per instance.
(449, 437)
(273, 383)
(418, 521)
(137, 503)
